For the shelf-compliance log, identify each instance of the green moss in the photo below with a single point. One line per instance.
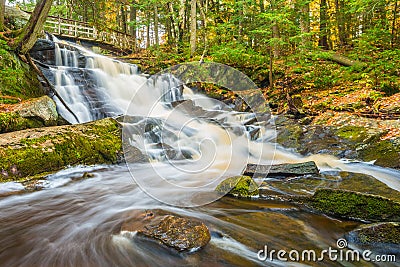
(353, 133)
(353, 205)
(387, 233)
(93, 143)
(11, 121)
(16, 78)
(384, 152)
(241, 186)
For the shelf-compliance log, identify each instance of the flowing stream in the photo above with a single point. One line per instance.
(75, 222)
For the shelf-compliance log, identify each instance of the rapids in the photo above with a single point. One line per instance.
(76, 222)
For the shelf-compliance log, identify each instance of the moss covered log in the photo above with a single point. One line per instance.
(31, 152)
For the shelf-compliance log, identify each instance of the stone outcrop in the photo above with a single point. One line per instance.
(35, 151)
(33, 113)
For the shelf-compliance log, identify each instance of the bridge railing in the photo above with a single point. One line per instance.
(80, 30)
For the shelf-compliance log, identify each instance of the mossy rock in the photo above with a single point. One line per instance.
(352, 205)
(388, 232)
(34, 113)
(30, 152)
(385, 153)
(307, 186)
(17, 80)
(239, 186)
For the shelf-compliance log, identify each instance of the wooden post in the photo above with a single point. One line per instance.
(76, 29)
(59, 25)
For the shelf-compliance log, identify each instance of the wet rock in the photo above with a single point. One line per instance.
(34, 151)
(388, 232)
(284, 170)
(353, 205)
(239, 186)
(308, 185)
(37, 112)
(43, 44)
(344, 139)
(180, 233)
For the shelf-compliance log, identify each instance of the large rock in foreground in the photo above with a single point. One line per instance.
(180, 233)
(31, 152)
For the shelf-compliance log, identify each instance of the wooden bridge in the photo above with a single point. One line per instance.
(62, 27)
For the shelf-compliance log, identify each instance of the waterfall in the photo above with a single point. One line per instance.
(202, 139)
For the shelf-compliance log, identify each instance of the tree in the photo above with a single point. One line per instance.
(34, 26)
(2, 11)
(193, 27)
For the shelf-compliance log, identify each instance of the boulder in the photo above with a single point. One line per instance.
(286, 170)
(307, 185)
(386, 232)
(356, 206)
(239, 186)
(42, 45)
(180, 233)
(34, 151)
(34, 113)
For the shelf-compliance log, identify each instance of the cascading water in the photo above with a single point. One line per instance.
(77, 224)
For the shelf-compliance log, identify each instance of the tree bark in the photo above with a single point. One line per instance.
(148, 31)
(156, 37)
(323, 38)
(123, 19)
(393, 33)
(193, 27)
(2, 11)
(132, 19)
(304, 21)
(34, 26)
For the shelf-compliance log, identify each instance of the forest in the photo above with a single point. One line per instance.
(106, 159)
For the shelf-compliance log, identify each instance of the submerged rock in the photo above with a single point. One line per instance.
(35, 113)
(239, 186)
(353, 205)
(180, 233)
(286, 170)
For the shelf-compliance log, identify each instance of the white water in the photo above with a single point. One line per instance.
(216, 150)
(76, 223)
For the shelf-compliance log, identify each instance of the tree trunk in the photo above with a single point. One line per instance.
(275, 32)
(393, 37)
(148, 31)
(2, 11)
(181, 24)
(340, 22)
(132, 28)
(270, 74)
(123, 19)
(323, 39)
(193, 27)
(156, 37)
(304, 21)
(34, 26)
